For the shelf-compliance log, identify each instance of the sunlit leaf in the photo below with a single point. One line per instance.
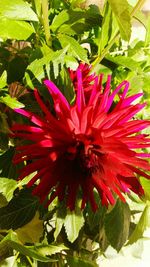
(121, 11)
(146, 186)
(73, 223)
(3, 79)
(106, 27)
(16, 10)
(75, 48)
(48, 250)
(7, 187)
(142, 225)
(11, 102)
(14, 29)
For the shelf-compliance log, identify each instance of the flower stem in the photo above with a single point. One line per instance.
(99, 58)
(46, 21)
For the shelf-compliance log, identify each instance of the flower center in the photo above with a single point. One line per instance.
(84, 159)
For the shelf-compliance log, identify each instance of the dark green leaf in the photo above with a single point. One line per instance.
(127, 62)
(16, 10)
(7, 168)
(76, 262)
(65, 84)
(121, 11)
(117, 224)
(19, 211)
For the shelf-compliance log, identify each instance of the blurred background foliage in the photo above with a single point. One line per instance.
(38, 39)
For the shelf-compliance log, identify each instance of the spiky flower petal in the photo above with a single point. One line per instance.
(93, 143)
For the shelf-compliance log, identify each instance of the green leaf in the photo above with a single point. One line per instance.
(9, 262)
(13, 29)
(19, 211)
(147, 38)
(142, 225)
(126, 62)
(7, 187)
(106, 27)
(117, 224)
(73, 223)
(11, 241)
(4, 242)
(29, 251)
(65, 84)
(48, 250)
(75, 48)
(7, 168)
(60, 218)
(60, 19)
(16, 10)
(32, 231)
(37, 66)
(11, 102)
(71, 62)
(121, 10)
(146, 186)
(76, 262)
(3, 79)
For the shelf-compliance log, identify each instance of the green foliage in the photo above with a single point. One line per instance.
(75, 262)
(30, 234)
(14, 29)
(11, 102)
(73, 223)
(11, 241)
(8, 187)
(16, 10)
(7, 168)
(142, 225)
(19, 211)
(121, 11)
(117, 224)
(3, 80)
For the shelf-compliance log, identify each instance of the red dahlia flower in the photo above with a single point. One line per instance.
(90, 144)
(87, 77)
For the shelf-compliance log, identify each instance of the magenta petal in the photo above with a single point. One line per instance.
(94, 143)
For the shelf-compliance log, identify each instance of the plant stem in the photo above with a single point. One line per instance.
(99, 58)
(29, 260)
(46, 21)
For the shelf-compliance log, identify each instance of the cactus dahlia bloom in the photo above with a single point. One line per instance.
(87, 77)
(91, 144)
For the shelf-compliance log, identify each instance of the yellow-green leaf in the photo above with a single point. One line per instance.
(32, 231)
